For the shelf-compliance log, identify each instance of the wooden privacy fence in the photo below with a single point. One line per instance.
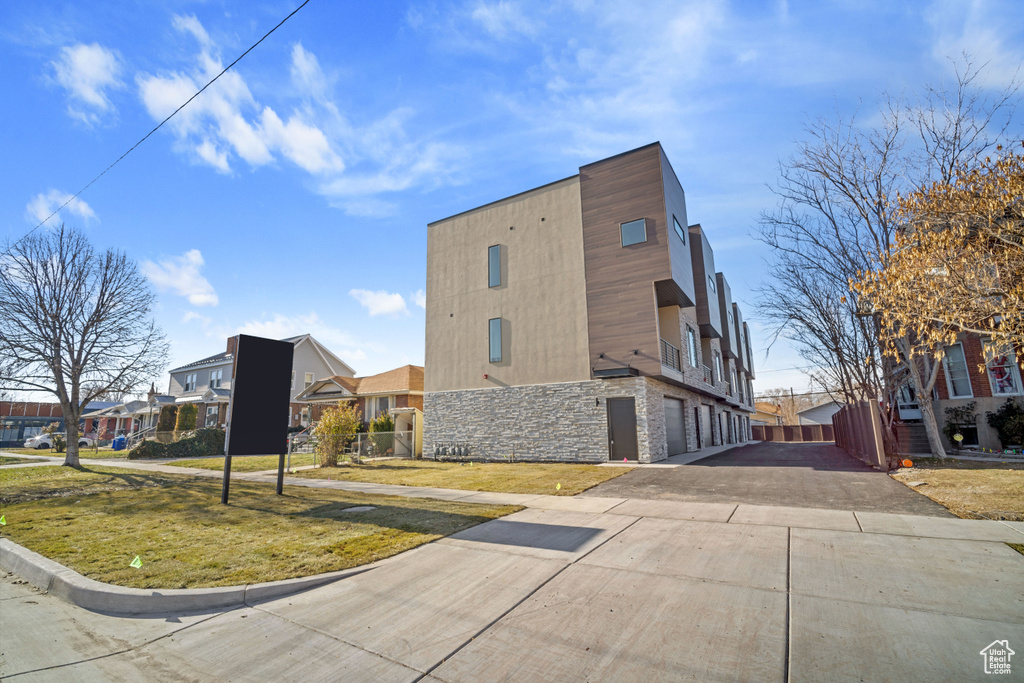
(858, 428)
(792, 433)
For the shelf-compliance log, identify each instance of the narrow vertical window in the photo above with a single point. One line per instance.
(494, 329)
(956, 372)
(309, 380)
(494, 266)
(694, 353)
(679, 229)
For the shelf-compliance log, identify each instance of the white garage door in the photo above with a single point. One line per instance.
(675, 430)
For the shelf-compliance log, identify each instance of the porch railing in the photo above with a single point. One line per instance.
(670, 356)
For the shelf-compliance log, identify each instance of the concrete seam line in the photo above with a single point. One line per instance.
(787, 670)
(859, 525)
(1012, 527)
(729, 519)
(922, 610)
(338, 638)
(526, 597)
(61, 666)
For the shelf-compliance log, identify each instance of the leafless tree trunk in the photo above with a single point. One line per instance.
(835, 219)
(75, 323)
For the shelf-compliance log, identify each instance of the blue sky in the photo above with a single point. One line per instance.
(293, 195)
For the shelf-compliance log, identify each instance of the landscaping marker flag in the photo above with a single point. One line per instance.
(558, 487)
(3, 520)
(136, 563)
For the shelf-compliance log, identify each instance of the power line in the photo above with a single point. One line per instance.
(159, 125)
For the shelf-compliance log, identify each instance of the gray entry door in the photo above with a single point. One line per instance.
(705, 426)
(675, 429)
(622, 429)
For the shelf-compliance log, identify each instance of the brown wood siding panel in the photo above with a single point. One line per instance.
(621, 302)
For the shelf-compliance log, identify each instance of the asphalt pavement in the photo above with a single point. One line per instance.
(810, 475)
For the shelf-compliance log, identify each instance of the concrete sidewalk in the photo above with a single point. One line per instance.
(644, 590)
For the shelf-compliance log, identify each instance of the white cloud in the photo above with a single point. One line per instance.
(503, 19)
(351, 165)
(984, 29)
(380, 302)
(180, 275)
(278, 326)
(192, 315)
(420, 298)
(87, 72)
(44, 204)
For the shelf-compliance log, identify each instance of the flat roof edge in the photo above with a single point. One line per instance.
(504, 199)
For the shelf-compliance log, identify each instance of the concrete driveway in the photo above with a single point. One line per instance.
(600, 590)
(798, 475)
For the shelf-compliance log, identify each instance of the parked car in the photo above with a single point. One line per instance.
(45, 441)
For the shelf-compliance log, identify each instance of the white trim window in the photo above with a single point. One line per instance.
(190, 382)
(293, 379)
(216, 377)
(309, 380)
(1003, 375)
(691, 338)
(377, 406)
(958, 379)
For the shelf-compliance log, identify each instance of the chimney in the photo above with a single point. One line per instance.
(232, 344)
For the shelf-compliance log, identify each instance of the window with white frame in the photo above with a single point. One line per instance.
(190, 382)
(1003, 374)
(216, 377)
(377, 406)
(293, 379)
(733, 382)
(691, 338)
(719, 376)
(309, 380)
(957, 378)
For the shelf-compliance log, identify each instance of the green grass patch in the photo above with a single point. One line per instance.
(248, 463)
(7, 460)
(1019, 547)
(102, 453)
(96, 520)
(520, 477)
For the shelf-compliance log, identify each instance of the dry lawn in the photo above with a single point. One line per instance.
(248, 463)
(96, 520)
(969, 488)
(520, 477)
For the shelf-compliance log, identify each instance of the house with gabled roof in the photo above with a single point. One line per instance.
(397, 392)
(207, 382)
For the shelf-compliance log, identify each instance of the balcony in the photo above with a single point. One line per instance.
(709, 376)
(670, 356)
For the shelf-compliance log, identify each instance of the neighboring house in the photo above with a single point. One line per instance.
(207, 382)
(765, 413)
(397, 392)
(128, 417)
(820, 414)
(973, 371)
(584, 320)
(20, 420)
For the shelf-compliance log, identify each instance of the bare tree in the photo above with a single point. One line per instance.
(836, 215)
(75, 323)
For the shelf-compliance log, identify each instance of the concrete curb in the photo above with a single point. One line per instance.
(69, 585)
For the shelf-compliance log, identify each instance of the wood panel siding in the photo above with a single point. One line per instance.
(621, 299)
(729, 346)
(703, 260)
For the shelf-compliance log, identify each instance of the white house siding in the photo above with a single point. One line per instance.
(819, 415)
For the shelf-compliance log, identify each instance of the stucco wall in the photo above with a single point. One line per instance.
(541, 299)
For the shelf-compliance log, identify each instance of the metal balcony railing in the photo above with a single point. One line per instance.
(670, 356)
(709, 377)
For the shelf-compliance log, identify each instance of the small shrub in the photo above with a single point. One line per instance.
(334, 432)
(59, 444)
(186, 420)
(1008, 423)
(165, 423)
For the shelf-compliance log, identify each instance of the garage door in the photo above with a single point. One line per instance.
(675, 430)
(705, 426)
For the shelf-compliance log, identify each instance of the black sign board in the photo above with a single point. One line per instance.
(258, 413)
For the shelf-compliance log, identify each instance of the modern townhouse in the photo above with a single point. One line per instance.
(583, 320)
